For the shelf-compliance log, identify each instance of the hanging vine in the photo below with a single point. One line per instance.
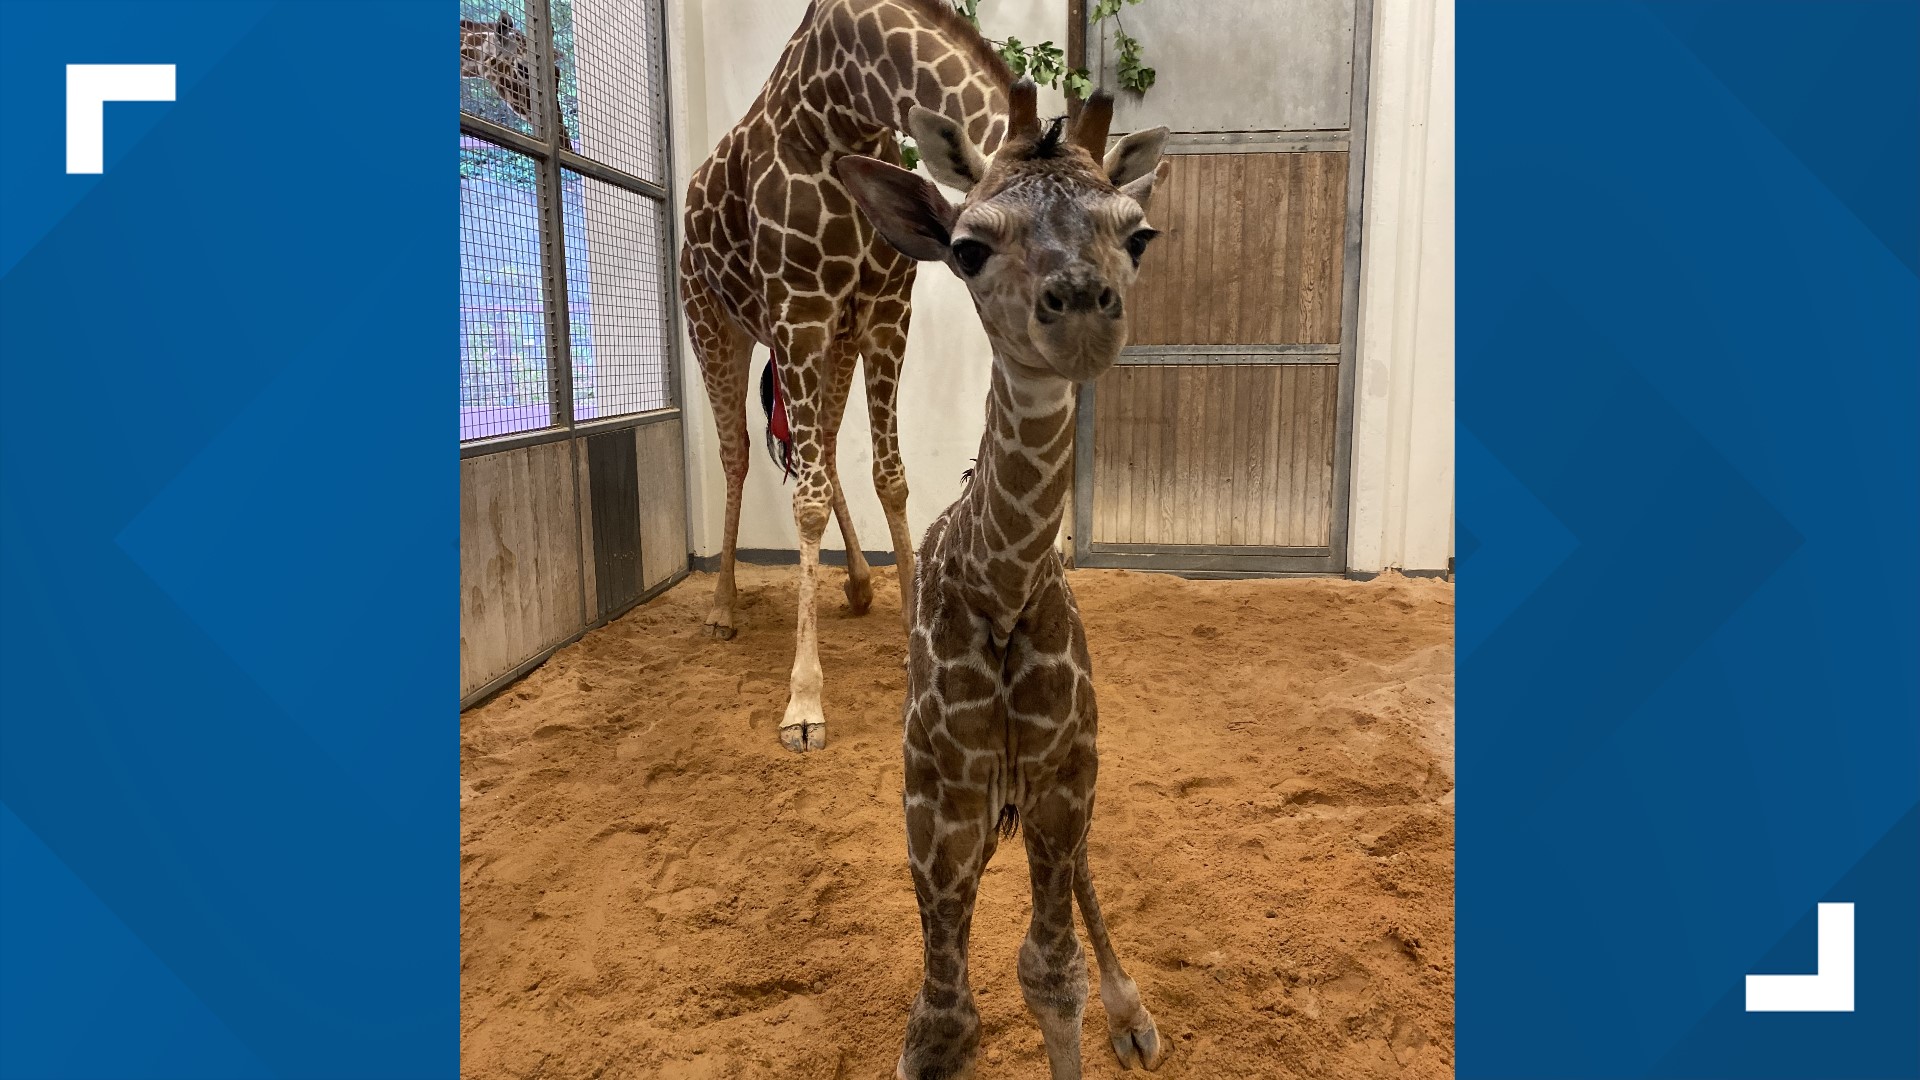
(1128, 70)
(1046, 64)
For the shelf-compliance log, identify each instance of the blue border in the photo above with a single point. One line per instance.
(1689, 427)
(228, 535)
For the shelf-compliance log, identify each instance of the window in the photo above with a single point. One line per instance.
(565, 312)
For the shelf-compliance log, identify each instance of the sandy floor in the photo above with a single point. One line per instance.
(653, 887)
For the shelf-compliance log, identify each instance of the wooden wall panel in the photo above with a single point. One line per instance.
(663, 501)
(519, 559)
(1214, 455)
(1252, 251)
(523, 551)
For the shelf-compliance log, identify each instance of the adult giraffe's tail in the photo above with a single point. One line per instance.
(779, 435)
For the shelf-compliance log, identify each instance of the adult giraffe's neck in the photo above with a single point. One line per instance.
(869, 62)
(1018, 494)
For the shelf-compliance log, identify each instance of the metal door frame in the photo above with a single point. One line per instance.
(1255, 561)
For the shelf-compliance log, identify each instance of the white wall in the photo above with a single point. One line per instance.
(1402, 502)
(722, 51)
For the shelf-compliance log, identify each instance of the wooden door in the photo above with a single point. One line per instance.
(1219, 443)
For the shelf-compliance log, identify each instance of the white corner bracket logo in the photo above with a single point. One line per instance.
(1829, 988)
(89, 88)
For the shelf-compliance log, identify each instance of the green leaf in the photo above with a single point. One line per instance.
(1045, 62)
(1015, 56)
(909, 155)
(1079, 82)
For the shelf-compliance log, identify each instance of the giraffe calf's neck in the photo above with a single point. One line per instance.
(1012, 509)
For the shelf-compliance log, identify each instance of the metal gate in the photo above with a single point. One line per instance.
(1220, 441)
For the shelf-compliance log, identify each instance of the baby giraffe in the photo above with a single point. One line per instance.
(1000, 715)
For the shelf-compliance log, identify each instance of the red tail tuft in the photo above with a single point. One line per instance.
(779, 436)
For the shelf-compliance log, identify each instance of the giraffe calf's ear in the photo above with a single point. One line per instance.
(950, 156)
(911, 213)
(1135, 156)
(1140, 190)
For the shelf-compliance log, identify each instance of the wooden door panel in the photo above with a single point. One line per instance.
(1214, 455)
(1253, 251)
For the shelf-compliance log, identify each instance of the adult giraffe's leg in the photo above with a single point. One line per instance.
(803, 350)
(884, 346)
(859, 588)
(725, 353)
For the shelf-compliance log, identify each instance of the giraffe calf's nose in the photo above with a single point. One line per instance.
(1075, 294)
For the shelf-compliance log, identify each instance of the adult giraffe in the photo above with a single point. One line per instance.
(500, 53)
(776, 253)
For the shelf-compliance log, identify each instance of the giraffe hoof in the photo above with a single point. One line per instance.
(859, 595)
(804, 727)
(720, 630)
(1139, 1046)
(900, 1072)
(801, 738)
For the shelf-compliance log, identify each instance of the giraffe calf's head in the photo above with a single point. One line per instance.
(1049, 237)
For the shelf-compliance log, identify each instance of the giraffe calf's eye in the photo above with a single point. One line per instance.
(971, 255)
(1137, 243)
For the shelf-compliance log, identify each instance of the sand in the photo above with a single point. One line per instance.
(652, 887)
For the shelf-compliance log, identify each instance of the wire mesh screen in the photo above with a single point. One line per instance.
(611, 246)
(616, 299)
(610, 70)
(505, 374)
(496, 65)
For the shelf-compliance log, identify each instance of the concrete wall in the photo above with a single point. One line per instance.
(1402, 506)
(721, 52)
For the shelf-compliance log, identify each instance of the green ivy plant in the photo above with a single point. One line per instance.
(1046, 64)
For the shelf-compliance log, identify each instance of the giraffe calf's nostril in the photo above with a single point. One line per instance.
(1053, 302)
(1107, 300)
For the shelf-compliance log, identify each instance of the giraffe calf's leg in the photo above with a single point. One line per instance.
(950, 839)
(1053, 969)
(1130, 1027)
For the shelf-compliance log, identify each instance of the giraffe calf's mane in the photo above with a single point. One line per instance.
(1043, 154)
(1048, 146)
